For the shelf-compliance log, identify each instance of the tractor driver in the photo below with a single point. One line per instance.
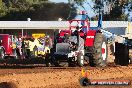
(76, 33)
(73, 46)
(77, 30)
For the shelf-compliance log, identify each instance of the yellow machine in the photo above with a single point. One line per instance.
(37, 45)
(36, 36)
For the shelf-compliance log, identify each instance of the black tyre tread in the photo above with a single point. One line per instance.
(96, 59)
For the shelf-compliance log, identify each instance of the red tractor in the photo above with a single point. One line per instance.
(78, 42)
(7, 46)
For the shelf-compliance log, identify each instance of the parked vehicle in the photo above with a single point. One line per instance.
(7, 46)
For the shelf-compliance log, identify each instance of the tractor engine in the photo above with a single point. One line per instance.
(69, 50)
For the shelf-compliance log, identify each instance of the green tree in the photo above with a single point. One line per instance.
(43, 11)
(3, 9)
(117, 8)
(7, 6)
(79, 2)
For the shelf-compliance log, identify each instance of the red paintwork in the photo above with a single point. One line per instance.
(103, 50)
(90, 34)
(63, 32)
(81, 34)
(90, 38)
(6, 43)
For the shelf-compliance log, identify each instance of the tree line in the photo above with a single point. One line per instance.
(46, 10)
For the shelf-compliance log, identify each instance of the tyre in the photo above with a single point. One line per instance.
(100, 51)
(58, 63)
(2, 54)
(80, 60)
(121, 54)
(71, 63)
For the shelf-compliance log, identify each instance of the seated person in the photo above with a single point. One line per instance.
(73, 46)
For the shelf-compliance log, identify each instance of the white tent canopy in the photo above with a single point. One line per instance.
(54, 24)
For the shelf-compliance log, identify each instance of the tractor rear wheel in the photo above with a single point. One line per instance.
(2, 54)
(100, 51)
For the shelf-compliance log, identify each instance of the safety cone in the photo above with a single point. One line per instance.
(84, 81)
(83, 72)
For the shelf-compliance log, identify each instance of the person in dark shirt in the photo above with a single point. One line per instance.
(76, 33)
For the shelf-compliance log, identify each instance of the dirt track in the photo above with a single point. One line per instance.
(40, 77)
(60, 78)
